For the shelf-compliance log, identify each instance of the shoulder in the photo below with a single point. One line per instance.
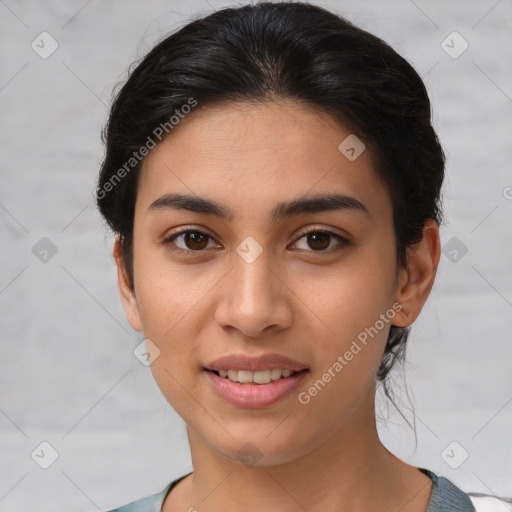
(447, 496)
(151, 503)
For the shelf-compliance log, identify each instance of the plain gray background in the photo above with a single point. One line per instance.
(68, 375)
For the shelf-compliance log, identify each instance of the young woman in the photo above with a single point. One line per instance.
(273, 178)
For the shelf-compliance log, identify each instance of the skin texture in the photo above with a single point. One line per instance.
(292, 300)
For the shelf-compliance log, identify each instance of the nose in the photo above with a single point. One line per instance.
(253, 298)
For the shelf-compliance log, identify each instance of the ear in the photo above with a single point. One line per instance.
(126, 292)
(416, 281)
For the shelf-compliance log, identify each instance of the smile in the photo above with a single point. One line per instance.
(259, 377)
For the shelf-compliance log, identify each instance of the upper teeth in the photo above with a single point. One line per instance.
(259, 377)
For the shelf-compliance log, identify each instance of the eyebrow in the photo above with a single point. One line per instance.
(306, 204)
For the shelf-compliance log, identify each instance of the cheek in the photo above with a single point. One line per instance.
(167, 295)
(351, 297)
(352, 314)
(169, 305)
(172, 304)
(348, 348)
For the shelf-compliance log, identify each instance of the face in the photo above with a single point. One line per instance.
(262, 274)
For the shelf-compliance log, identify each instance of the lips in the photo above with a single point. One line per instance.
(252, 395)
(247, 382)
(255, 364)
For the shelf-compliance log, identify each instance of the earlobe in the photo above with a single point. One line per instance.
(126, 292)
(415, 282)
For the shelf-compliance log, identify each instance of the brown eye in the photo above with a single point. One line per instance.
(189, 241)
(320, 241)
(195, 240)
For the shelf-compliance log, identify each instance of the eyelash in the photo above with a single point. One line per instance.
(170, 240)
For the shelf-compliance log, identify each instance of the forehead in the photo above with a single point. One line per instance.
(259, 155)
